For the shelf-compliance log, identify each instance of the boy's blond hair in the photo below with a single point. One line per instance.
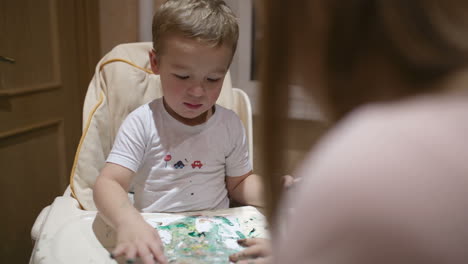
(210, 21)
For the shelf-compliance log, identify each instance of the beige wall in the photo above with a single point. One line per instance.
(118, 23)
(302, 135)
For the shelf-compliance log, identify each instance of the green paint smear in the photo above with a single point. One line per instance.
(196, 234)
(190, 246)
(225, 220)
(173, 226)
(241, 236)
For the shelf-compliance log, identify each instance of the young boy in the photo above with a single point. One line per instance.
(181, 152)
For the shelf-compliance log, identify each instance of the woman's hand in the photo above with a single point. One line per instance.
(137, 238)
(258, 251)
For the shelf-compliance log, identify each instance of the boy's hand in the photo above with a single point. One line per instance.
(258, 251)
(139, 239)
(289, 181)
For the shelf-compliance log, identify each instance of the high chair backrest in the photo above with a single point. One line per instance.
(122, 82)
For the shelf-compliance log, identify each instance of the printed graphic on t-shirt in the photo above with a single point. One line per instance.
(180, 164)
(166, 159)
(197, 163)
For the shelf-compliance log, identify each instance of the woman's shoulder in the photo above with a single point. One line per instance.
(389, 167)
(417, 118)
(420, 133)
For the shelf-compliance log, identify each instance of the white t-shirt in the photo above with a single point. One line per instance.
(179, 167)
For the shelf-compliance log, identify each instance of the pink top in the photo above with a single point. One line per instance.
(387, 185)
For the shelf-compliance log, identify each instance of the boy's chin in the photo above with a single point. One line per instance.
(192, 119)
(192, 115)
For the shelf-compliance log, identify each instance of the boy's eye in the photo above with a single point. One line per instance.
(182, 77)
(213, 79)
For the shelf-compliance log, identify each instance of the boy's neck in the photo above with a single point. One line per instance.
(204, 117)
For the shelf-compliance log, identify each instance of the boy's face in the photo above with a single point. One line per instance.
(192, 74)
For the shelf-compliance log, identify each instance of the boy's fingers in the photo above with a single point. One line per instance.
(147, 259)
(235, 257)
(145, 255)
(157, 251)
(254, 251)
(255, 261)
(249, 261)
(255, 247)
(248, 253)
(118, 251)
(287, 180)
(130, 254)
(247, 242)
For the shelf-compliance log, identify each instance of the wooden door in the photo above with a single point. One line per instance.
(54, 45)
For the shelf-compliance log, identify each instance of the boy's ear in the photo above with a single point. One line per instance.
(153, 62)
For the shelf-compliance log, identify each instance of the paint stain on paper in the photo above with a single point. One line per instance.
(202, 239)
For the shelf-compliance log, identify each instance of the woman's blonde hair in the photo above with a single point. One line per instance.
(353, 48)
(210, 21)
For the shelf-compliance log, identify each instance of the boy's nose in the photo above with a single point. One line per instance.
(197, 90)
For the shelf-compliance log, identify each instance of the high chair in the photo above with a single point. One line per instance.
(67, 231)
